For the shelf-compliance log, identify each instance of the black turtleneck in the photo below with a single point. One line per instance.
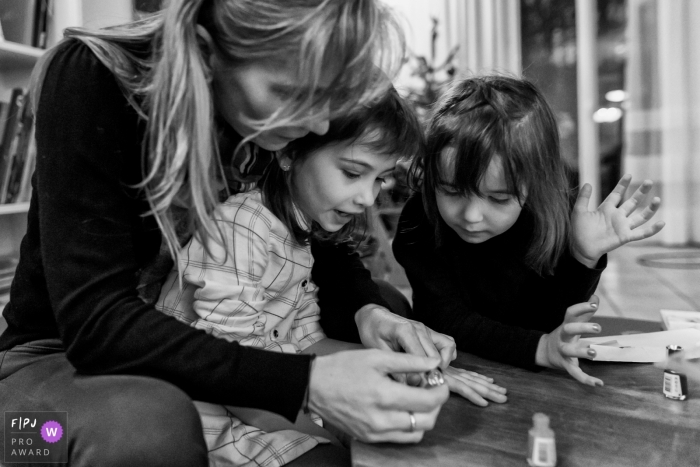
(89, 241)
(484, 295)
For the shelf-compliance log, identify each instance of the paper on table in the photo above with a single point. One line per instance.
(641, 348)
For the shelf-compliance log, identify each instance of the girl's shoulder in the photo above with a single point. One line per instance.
(248, 210)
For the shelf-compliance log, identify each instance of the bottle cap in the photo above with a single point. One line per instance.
(540, 420)
(673, 349)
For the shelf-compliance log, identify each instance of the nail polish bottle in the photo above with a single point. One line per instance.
(541, 449)
(675, 383)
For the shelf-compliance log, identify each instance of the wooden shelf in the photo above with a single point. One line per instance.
(13, 208)
(13, 55)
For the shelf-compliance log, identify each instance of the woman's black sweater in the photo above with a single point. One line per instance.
(88, 243)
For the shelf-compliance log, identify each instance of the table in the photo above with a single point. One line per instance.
(627, 422)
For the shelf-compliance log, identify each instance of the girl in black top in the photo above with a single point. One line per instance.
(494, 254)
(140, 129)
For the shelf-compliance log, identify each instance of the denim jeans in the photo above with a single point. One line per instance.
(113, 420)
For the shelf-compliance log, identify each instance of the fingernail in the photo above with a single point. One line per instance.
(594, 305)
(596, 328)
(591, 353)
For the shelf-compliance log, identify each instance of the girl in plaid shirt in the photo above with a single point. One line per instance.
(257, 289)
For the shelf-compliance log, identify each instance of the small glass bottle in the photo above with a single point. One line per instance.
(541, 449)
(675, 383)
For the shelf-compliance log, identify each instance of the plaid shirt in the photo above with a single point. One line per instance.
(261, 295)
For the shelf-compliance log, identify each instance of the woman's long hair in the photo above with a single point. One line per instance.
(388, 127)
(162, 70)
(499, 116)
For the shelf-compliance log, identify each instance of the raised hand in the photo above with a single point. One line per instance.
(612, 224)
(561, 348)
(474, 387)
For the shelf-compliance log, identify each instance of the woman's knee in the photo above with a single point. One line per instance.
(141, 421)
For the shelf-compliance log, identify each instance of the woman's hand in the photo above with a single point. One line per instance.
(561, 349)
(353, 391)
(611, 226)
(381, 329)
(474, 387)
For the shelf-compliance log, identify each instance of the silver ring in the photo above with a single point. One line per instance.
(413, 421)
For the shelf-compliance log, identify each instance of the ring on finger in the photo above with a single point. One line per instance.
(413, 421)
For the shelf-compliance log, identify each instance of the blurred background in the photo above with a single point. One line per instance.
(624, 81)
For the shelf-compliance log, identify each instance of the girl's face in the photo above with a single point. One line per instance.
(473, 218)
(335, 183)
(256, 90)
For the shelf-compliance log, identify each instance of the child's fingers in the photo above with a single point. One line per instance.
(576, 350)
(477, 375)
(474, 391)
(584, 198)
(571, 330)
(581, 311)
(618, 192)
(467, 376)
(646, 232)
(635, 200)
(577, 373)
(642, 217)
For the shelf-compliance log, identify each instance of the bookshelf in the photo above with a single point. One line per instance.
(16, 64)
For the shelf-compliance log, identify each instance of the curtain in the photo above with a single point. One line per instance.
(488, 34)
(662, 115)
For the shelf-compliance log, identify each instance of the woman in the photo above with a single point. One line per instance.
(139, 130)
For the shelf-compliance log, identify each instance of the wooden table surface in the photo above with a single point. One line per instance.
(628, 422)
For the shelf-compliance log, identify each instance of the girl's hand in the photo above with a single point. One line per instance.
(474, 387)
(561, 349)
(611, 226)
(353, 392)
(381, 329)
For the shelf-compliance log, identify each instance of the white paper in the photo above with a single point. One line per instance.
(641, 348)
(676, 319)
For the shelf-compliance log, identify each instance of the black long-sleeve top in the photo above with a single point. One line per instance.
(484, 295)
(88, 242)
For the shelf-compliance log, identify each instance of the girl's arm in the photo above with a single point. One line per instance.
(439, 299)
(222, 284)
(353, 310)
(345, 286)
(612, 224)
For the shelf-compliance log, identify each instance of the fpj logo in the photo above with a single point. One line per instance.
(36, 437)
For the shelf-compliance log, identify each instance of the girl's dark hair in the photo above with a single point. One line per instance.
(488, 116)
(387, 126)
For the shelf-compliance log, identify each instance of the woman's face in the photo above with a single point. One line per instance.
(473, 218)
(256, 90)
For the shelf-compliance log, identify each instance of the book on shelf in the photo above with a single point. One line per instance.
(18, 115)
(17, 18)
(22, 192)
(8, 264)
(41, 24)
(25, 139)
(677, 319)
(24, 21)
(4, 111)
